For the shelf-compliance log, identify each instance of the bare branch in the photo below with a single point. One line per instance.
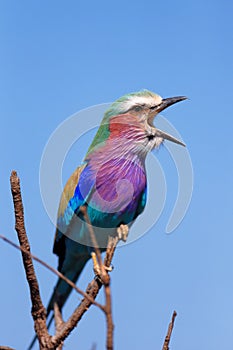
(58, 322)
(83, 209)
(38, 309)
(112, 243)
(63, 329)
(111, 247)
(92, 290)
(169, 332)
(104, 276)
(108, 310)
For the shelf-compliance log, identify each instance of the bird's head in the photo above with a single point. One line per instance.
(131, 118)
(145, 105)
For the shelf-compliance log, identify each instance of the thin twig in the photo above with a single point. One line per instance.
(111, 247)
(83, 209)
(56, 272)
(92, 290)
(104, 276)
(108, 310)
(112, 243)
(169, 332)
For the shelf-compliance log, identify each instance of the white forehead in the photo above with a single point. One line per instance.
(142, 100)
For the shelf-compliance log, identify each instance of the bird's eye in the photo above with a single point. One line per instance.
(137, 108)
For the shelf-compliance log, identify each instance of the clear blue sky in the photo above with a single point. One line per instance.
(59, 57)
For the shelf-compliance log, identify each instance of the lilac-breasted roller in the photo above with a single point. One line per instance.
(111, 182)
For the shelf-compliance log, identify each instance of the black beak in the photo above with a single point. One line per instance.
(166, 102)
(168, 137)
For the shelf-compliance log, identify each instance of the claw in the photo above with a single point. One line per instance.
(109, 269)
(122, 232)
(96, 266)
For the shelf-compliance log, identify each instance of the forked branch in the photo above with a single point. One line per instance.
(63, 329)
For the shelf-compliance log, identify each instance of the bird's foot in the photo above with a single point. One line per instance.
(122, 232)
(96, 266)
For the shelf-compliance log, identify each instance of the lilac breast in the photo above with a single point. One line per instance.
(117, 185)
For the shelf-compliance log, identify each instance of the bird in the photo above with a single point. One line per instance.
(111, 183)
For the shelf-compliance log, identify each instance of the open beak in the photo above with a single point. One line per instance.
(166, 136)
(166, 102)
